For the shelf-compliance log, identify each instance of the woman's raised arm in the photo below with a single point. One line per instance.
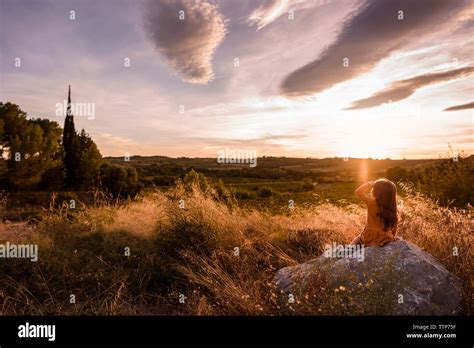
(361, 192)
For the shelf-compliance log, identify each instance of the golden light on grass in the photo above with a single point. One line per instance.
(191, 249)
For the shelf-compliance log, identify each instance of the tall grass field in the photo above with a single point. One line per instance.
(189, 251)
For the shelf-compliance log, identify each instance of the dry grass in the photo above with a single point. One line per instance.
(220, 257)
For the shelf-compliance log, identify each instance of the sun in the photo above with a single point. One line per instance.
(362, 142)
(363, 150)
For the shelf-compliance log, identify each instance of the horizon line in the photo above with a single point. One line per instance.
(307, 158)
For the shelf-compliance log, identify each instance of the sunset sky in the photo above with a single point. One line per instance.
(286, 78)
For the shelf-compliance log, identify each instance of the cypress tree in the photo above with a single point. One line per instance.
(69, 144)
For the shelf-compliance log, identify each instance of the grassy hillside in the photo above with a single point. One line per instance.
(190, 250)
(302, 180)
(162, 171)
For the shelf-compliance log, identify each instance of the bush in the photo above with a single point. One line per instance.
(398, 174)
(449, 182)
(221, 192)
(307, 185)
(245, 194)
(120, 181)
(265, 192)
(163, 180)
(194, 179)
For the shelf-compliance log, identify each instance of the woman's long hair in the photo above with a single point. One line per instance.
(385, 193)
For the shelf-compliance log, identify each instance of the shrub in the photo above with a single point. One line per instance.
(195, 179)
(307, 185)
(449, 182)
(265, 192)
(120, 181)
(245, 194)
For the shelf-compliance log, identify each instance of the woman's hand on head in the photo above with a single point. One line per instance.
(361, 192)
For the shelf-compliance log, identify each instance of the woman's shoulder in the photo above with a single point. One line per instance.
(371, 203)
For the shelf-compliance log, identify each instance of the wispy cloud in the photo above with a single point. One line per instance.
(368, 36)
(111, 144)
(461, 107)
(403, 89)
(271, 10)
(462, 133)
(243, 107)
(187, 40)
(264, 141)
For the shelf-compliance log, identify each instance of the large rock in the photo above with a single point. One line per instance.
(412, 281)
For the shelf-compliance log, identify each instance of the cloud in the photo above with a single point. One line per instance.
(111, 144)
(461, 133)
(268, 12)
(265, 141)
(372, 33)
(399, 90)
(246, 106)
(461, 107)
(271, 10)
(188, 44)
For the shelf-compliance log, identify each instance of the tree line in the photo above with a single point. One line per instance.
(449, 181)
(36, 154)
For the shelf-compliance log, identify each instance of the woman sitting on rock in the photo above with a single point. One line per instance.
(382, 217)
